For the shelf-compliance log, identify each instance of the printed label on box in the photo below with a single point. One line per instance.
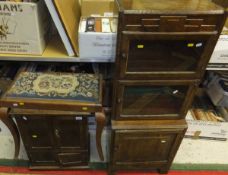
(20, 28)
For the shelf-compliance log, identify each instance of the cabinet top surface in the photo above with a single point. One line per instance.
(188, 6)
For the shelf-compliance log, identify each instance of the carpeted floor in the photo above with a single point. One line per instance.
(8, 170)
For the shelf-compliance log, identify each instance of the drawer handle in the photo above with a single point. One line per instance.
(163, 141)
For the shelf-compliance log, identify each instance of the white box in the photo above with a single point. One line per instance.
(24, 27)
(97, 45)
(220, 54)
(206, 129)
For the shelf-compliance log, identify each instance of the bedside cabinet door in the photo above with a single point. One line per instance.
(144, 148)
(71, 133)
(35, 132)
(153, 99)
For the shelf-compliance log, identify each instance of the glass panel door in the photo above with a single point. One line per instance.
(152, 101)
(164, 55)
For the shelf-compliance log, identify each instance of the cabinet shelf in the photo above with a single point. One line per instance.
(54, 52)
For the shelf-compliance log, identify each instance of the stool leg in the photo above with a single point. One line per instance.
(100, 121)
(8, 121)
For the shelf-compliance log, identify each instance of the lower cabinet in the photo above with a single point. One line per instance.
(145, 148)
(55, 141)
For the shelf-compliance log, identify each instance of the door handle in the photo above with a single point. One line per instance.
(124, 55)
(57, 133)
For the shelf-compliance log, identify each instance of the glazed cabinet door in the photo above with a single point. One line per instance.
(153, 99)
(71, 133)
(163, 55)
(35, 132)
(145, 148)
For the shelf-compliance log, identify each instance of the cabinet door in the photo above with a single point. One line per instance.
(153, 99)
(71, 132)
(35, 132)
(164, 55)
(145, 148)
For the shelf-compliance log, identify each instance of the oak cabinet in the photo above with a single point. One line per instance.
(163, 48)
(55, 141)
(152, 147)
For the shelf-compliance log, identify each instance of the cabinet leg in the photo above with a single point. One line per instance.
(100, 121)
(8, 121)
(163, 171)
(110, 172)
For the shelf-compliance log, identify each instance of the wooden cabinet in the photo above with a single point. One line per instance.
(153, 99)
(55, 141)
(163, 48)
(151, 146)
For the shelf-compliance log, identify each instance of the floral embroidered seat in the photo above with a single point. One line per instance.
(58, 89)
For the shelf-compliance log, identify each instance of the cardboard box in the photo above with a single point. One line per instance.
(220, 54)
(217, 94)
(97, 7)
(24, 27)
(97, 45)
(206, 129)
(223, 3)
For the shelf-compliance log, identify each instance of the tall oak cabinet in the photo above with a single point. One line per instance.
(163, 48)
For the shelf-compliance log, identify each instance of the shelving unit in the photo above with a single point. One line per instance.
(54, 52)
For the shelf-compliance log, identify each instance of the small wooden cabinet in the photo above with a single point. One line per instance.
(54, 140)
(148, 146)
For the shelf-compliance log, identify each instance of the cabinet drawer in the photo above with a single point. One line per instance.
(170, 23)
(168, 99)
(145, 148)
(164, 55)
(73, 159)
(42, 158)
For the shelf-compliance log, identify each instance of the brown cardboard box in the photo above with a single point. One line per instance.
(206, 129)
(223, 3)
(96, 7)
(25, 27)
